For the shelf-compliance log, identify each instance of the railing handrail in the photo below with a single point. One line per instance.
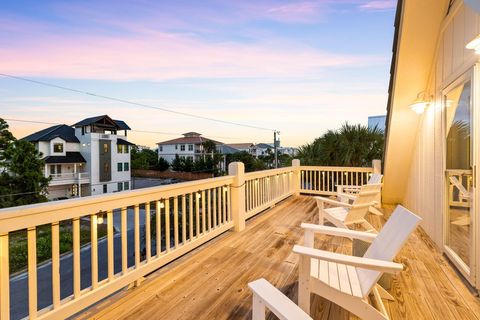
(328, 168)
(266, 173)
(68, 174)
(12, 219)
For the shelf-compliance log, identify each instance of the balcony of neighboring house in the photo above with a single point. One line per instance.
(188, 251)
(69, 178)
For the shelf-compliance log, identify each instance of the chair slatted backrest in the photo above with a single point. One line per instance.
(364, 199)
(375, 178)
(387, 244)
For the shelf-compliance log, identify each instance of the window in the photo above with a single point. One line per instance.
(182, 147)
(126, 166)
(160, 148)
(126, 185)
(119, 148)
(119, 186)
(176, 147)
(56, 169)
(106, 167)
(125, 149)
(105, 190)
(190, 147)
(105, 148)
(58, 147)
(119, 167)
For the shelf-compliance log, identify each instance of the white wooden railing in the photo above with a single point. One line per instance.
(265, 188)
(145, 229)
(323, 180)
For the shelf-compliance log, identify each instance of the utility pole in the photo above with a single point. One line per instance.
(275, 147)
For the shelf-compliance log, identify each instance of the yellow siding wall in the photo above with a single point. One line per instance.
(426, 178)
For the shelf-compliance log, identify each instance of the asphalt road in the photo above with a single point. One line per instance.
(19, 283)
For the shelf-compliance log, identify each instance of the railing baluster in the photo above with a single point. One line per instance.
(175, 220)
(214, 204)
(158, 220)
(197, 214)
(136, 234)
(184, 219)
(224, 205)
(203, 212)
(124, 241)
(167, 224)
(148, 238)
(94, 249)
(209, 209)
(229, 209)
(76, 257)
(190, 216)
(110, 244)
(4, 278)
(55, 265)
(32, 272)
(219, 203)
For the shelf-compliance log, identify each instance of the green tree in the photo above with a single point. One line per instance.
(6, 138)
(22, 180)
(177, 163)
(249, 161)
(351, 146)
(162, 164)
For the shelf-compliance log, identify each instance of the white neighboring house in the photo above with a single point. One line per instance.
(263, 149)
(85, 159)
(189, 146)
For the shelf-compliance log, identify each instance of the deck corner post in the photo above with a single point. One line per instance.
(237, 170)
(296, 177)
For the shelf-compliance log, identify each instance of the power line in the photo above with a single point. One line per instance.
(133, 103)
(141, 131)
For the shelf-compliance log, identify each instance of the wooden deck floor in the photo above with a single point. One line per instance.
(211, 282)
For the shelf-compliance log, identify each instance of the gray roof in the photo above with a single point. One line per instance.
(225, 149)
(264, 145)
(70, 157)
(59, 131)
(125, 142)
(118, 124)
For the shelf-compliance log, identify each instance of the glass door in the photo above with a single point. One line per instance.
(459, 176)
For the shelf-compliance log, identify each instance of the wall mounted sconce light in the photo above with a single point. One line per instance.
(474, 45)
(420, 103)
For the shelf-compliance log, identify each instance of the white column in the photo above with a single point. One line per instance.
(296, 176)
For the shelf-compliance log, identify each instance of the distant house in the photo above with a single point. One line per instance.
(263, 149)
(377, 121)
(86, 158)
(247, 147)
(190, 146)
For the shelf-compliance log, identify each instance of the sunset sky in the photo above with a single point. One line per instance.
(300, 67)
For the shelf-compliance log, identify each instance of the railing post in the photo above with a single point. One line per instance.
(237, 204)
(377, 168)
(296, 177)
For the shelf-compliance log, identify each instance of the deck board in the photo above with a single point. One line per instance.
(211, 282)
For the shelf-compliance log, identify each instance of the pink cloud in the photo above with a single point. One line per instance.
(161, 56)
(379, 5)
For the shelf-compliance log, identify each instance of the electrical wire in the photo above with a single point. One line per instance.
(133, 103)
(140, 131)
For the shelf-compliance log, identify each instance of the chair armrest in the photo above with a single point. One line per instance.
(340, 232)
(346, 186)
(347, 195)
(333, 202)
(359, 262)
(276, 301)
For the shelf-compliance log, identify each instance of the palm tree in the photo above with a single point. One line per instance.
(351, 145)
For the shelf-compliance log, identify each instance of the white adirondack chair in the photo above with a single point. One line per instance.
(346, 280)
(347, 193)
(267, 296)
(343, 214)
(464, 195)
